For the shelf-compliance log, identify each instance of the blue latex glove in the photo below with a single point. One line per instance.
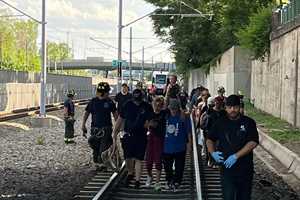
(217, 156)
(230, 161)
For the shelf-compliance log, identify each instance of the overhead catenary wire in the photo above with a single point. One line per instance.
(20, 11)
(148, 47)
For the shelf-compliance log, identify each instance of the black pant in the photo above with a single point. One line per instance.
(69, 129)
(100, 142)
(237, 188)
(168, 160)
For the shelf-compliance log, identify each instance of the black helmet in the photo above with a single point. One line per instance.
(71, 93)
(103, 87)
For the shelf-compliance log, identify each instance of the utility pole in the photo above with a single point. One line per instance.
(143, 63)
(130, 59)
(44, 64)
(152, 61)
(120, 46)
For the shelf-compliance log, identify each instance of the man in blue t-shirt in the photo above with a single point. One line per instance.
(177, 142)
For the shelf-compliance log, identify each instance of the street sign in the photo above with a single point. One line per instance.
(116, 63)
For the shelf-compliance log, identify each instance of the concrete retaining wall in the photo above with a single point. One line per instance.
(233, 71)
(275, 82)
(22, 90)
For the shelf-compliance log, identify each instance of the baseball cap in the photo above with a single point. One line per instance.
(233, 100)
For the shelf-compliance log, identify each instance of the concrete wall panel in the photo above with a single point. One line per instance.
(274, 83)
(231, 72)
(22, 89)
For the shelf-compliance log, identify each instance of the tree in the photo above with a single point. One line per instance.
(256, 36)
(58, 51)
(196, 42)
(18, 49)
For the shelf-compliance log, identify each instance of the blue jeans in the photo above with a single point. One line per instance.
(236, 188)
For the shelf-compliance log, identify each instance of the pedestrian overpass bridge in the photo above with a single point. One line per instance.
(106, 66)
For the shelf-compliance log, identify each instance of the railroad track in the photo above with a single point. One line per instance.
(199, 182)
(211, 182)
(19, 113)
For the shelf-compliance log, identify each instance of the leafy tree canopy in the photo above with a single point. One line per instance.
(256, 35)
(18, 47)
(196, 41)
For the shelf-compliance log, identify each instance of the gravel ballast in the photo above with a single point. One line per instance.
(37, 164)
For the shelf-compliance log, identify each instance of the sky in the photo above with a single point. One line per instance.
(76, 21)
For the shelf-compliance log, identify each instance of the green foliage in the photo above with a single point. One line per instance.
(18, 48)
(58, 51)
(197, 41)
(40, 140)
(255, 36)
(278, 129)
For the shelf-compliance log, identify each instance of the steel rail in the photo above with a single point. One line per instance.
(108, 183)
(25, 112)
(196, 161)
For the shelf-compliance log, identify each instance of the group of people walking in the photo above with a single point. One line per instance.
(159, 132)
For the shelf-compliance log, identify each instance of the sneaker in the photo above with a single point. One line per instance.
(176, 185)
(203, 153)
(137, 185)
(148, 181)
(157, 187)
(209, 164)
(170, 186)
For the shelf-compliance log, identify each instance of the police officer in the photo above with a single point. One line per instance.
(100, 107)
(69, 112)
(237, 136)
(135, 116)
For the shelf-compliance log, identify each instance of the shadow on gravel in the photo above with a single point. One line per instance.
(43, 184)
(268, 186)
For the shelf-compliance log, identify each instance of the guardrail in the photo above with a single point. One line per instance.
(196, 161)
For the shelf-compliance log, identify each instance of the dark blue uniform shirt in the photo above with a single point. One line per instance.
(101, 110)
(70, 106)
